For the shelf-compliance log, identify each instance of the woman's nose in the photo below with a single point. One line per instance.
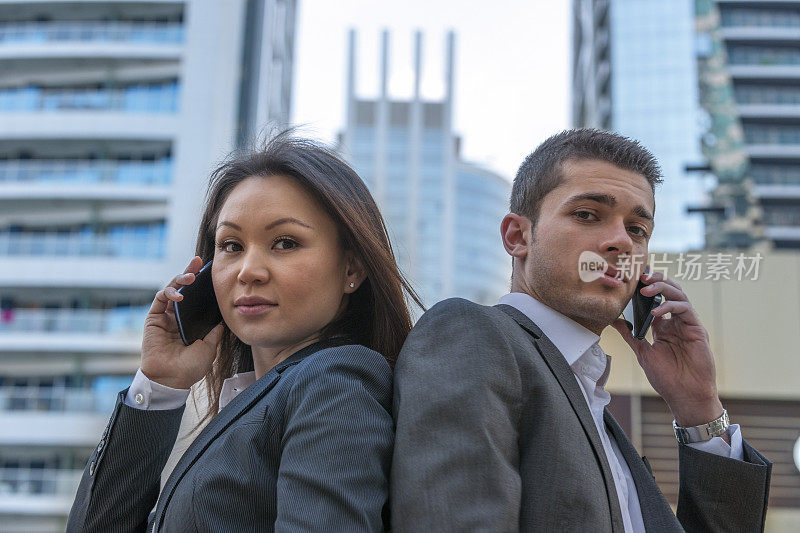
(253, 268)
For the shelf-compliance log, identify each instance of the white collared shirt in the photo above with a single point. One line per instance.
(591, 367)
(146, 394)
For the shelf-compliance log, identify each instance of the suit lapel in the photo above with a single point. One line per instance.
(238, 406)
(233, 411)
(656, 512)
(563, 374)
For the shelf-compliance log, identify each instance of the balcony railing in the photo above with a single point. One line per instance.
(128, 32)
(775, 174)
(763, 55)
(84, 171)
(781, 217)
(36, 481)
(60, 399)
(760, 18)
(758, 94)
(148, 245)
(773, 134)
(122, 319)
(162, 98)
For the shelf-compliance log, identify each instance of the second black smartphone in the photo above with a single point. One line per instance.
(198, 312)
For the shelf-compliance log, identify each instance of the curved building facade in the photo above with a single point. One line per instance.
(482, 265)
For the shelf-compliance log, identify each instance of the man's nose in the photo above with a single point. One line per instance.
(618, 239)
(253, 268)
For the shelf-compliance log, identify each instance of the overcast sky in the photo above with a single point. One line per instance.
(511, 70)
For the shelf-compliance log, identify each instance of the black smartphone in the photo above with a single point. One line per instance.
(198, 312)
(638, 311)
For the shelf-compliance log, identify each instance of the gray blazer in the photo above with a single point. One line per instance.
(306, 447)
(494, 434)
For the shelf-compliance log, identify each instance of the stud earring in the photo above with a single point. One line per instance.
(352, 284)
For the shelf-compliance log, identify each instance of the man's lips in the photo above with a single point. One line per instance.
(614, 273)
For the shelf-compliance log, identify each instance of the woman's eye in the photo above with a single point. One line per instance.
(228, 246)
(285, 243)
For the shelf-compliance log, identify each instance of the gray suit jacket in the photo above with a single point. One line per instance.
(494, 434)
(306, 447)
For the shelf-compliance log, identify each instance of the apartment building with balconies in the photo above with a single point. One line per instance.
(112, 114)
(762, 41)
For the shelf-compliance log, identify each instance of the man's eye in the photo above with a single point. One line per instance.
(584, 215)
(641, 232)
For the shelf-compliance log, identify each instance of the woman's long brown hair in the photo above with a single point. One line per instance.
(377, 314)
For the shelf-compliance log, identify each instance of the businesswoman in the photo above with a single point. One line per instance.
(298, 373)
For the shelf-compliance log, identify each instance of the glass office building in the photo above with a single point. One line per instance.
(106, 142)
(482, 269)
(443, 213)
(634, 72)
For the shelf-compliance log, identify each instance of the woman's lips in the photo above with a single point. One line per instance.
(250, 310)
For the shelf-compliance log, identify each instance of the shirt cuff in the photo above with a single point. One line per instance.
(718, 446)
(149, 395)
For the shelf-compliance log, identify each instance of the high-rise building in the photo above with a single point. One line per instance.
(443, 214)
(591, 64)
(749, 64)
(112, 114)
(634, 72)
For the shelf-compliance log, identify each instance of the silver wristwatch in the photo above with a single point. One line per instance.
(715, 428)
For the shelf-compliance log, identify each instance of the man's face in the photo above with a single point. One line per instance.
(599, 209)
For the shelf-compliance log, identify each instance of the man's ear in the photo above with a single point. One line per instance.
(515, 230)
(356, 273)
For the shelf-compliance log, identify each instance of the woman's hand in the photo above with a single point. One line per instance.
(165, 359)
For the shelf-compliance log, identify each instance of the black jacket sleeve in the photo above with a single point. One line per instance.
(722, 494)
(120, 483)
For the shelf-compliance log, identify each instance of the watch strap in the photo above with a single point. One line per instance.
(703, 432)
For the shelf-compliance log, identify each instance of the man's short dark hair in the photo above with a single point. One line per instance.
(542, 171)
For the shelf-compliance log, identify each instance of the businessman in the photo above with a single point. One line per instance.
(500, 410)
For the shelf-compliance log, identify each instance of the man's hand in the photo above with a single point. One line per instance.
(679, 364)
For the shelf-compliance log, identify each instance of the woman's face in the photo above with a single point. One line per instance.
(279, 272)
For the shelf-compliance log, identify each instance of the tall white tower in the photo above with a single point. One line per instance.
(443, 214)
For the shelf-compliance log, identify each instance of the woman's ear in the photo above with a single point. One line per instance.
(355, 274)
